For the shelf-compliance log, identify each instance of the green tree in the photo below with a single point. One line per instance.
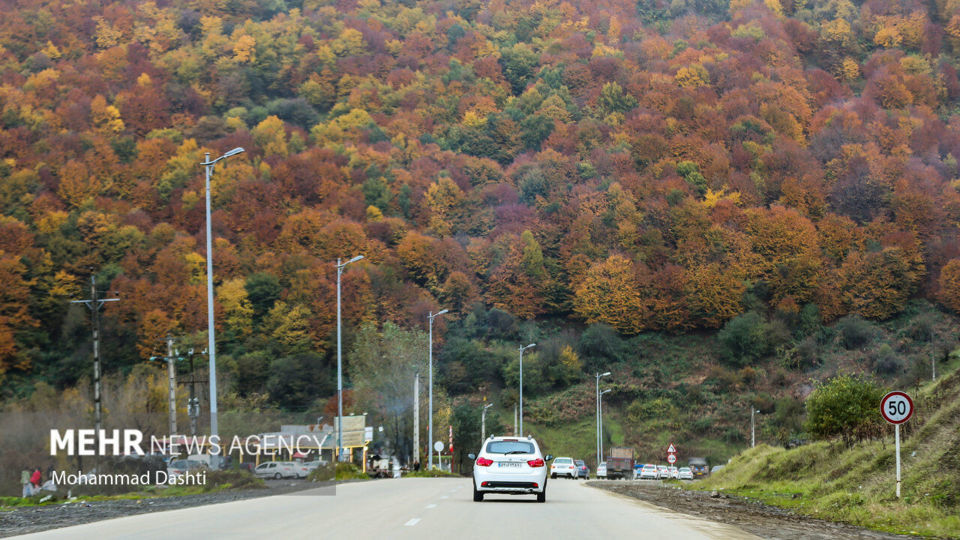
(847, 406)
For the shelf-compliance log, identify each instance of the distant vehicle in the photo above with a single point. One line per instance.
(181, 466)
(648, 472)
(582, 470)
(563, 466)
(620, 462)
(602, 470)
(674, 472)
(685, 473)
(663, 472)
(716, 468)
(699, 467)
(512, 465)
(276, 470)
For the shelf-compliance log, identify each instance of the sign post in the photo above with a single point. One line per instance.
(896, 408)
(671, 454)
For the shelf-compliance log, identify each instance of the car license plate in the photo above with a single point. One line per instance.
(505, 464)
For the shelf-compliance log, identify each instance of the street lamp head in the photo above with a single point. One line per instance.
(440, 313)
(355, 259)
(604, 374)
(488, 405)
(527, 347)
(605, 391)
(233, 152)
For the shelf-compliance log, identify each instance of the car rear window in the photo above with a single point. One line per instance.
(509, 447)
(562, 460)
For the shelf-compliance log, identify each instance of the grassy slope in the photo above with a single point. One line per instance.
(856, 485)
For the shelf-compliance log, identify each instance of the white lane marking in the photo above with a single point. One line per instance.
(431, 506)
(412, 522)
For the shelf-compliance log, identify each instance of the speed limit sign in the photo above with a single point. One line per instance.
(671, 458)
(896, 407)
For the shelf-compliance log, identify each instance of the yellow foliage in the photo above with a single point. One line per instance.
(605, 50)
(837, 31)
(888, 37)
(244, 50)
(774, 6)
(50, 50)
(144, 80)
(106, 35)
(350, 43)
(271, 136)
(711, 197)
(238, 310)
(105, 118)
(692, 76)
(473, 120)
(850, 69)
(374, 213)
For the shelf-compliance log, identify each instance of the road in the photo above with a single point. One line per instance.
(413, 508)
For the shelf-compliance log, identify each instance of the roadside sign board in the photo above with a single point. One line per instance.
(438, 446)
(671, 458)
(672, 449)
(896, 407)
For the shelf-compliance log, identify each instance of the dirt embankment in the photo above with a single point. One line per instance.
(751, 516)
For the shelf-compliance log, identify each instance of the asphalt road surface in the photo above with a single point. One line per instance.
(413, 508)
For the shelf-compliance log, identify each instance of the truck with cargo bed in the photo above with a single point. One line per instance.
(620, 463)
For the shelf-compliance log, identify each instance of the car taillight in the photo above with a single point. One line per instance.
(484, 462)
(536, 463)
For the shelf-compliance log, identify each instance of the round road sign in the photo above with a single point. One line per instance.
(671, 459)
(438, 446)
(896, 407)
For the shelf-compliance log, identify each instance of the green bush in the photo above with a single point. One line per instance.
(323, 473)
(847, 406)
(234, 479)
(349, 471)
(743, 339)
(855, 332)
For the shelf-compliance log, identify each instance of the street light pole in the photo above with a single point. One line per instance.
(208, 166)
(431, 316)
(597, 415)
(340, 267)
(483, 422)
(521, 385)
(753, 431)
(600, 406)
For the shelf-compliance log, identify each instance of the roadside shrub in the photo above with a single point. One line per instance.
(234, 479)
(743, 339)
(845, 406)
(349, 471)
(885, 361)
(855, 332)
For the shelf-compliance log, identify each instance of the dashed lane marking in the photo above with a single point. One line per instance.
(431, 506)
(412, 522)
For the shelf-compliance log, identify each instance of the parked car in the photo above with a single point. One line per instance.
(674, 472)
(602, 470)
(276, 469)
(582, 470)
(563, 466)
(177, 467)
(511, 465)
(648, 472)
(663, 472)
(685, 473)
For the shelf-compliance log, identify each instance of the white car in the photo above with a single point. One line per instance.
(602, 470)
(511, 465)
(276, 469)
(685, 473)
(663, 472)
(648, 472)
(674, 472)
(563, 466)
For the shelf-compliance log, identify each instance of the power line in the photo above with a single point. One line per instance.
(94, 303)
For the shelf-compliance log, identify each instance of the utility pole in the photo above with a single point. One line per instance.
(340, 455)
(416, 418)
(514, 420)
(483, 421)
(172, 373)
(522, 348)
(600, 405)
(94, 304)
(597, 414)
(431, 316)
(208, 167)
(753, 431)
(193, 406)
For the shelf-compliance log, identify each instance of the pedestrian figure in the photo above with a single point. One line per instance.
(25, 482)
(35, 479)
